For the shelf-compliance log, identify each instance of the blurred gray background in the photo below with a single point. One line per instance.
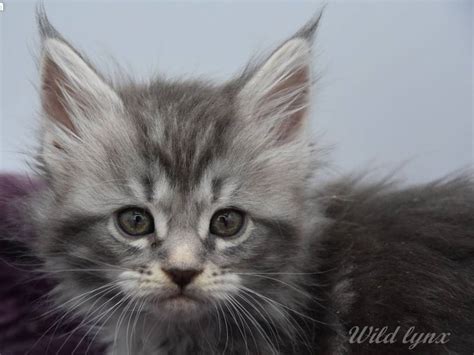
(395, 94)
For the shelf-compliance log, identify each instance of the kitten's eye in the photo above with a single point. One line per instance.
(135, 221)
(227, 223)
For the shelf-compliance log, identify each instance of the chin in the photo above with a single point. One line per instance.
(179, 308)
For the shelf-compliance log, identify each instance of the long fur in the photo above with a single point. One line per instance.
(313, 261)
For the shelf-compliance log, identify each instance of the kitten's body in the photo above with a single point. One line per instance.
(386, 258)
(309, 263)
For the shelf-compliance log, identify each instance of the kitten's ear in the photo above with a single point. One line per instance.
(277, 93)
(71, 90)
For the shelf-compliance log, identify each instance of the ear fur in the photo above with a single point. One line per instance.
(71, 90)
(277, 94)
(78, 105)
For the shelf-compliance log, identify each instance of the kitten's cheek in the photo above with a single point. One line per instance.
(141, 243)
(128, 282)
(144, 281)
(133, 285)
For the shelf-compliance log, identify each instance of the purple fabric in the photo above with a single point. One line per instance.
(24, 327)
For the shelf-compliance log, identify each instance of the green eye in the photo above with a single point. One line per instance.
(135, 221)
(227, 222)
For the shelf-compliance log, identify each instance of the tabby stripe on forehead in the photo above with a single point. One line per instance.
(148, 185)
(217, 147)
(216, 186)
(185, 168)
(154, 153)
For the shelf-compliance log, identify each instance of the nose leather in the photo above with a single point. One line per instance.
(182, 277)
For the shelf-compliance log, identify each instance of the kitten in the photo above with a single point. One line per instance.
(183, 218)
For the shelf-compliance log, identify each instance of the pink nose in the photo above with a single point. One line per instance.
(182, 277)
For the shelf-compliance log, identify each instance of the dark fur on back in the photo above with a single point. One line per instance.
(389, 257)
(402, 258)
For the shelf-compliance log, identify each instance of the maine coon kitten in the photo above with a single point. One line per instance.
(183, 218)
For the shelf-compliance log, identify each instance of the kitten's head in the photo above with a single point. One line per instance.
(174, 194)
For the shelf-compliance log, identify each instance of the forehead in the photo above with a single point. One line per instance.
(182, 130)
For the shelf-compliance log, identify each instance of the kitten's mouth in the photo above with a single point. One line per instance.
(178, 298)
(182, 297)
(178, 305)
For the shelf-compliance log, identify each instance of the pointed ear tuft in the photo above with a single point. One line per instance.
(71, 90)
(53, 89)
(277, 94)
(310, 29)
(46, 30)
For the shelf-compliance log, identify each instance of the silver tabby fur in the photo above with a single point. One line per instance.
(184, 149)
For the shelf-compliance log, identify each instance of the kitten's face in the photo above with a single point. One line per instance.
(173, 195)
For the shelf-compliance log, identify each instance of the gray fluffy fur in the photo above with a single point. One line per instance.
(316, 261)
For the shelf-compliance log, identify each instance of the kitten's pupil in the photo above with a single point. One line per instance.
(224, 219)
(137, 219)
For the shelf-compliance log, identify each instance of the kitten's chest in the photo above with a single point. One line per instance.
(156, 346)
(162, 341)
(158, 339)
